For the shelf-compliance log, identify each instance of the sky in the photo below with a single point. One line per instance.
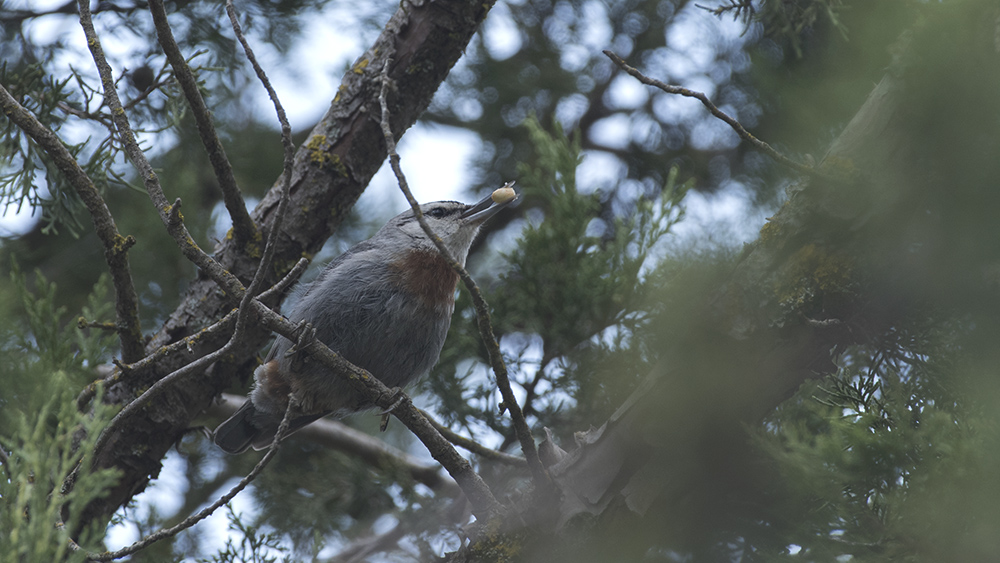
(435, 160)
(305, 96)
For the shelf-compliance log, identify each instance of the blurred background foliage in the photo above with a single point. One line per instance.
(892, 457)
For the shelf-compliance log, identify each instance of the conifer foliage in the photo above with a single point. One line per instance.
(822, 390)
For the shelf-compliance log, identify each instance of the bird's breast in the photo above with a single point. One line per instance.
(425, 275)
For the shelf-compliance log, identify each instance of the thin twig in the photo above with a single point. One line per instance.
(223, 325)
(473, 446)
(5, 461)
(194, 519)
(169, 213)
(484, 505)
(733, 123)
(243, 226)
(115, 245)
(289, 147)
(509, 403)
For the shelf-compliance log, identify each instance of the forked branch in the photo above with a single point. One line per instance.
(243, 226)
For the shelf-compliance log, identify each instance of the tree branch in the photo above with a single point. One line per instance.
(482, 308)
(169, 214)
(170, 354)
(244, 229)
(115, 246)
(735, 125)
(474, 446)
(484, 504)
(338, 436)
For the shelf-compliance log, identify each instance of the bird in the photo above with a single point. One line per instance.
(384, 305)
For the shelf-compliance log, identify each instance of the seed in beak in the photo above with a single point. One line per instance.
(503, 195)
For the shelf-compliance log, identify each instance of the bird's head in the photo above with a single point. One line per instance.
(456, 223)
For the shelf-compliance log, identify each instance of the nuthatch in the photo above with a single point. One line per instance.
(384, 305)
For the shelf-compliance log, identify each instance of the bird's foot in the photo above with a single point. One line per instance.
(305, 335)
(397, 397)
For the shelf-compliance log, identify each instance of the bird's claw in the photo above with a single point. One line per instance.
(397, 398)
(305, 335)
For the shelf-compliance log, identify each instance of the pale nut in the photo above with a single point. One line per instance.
(503, 195)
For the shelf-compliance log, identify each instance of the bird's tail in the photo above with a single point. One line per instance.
(240, 430)
(250, 427)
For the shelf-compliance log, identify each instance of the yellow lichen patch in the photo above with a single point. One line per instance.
(359, 67)
(497, 547)
(811, 273)
(254, 248)
(318, 155)
(340, 90)
(338, 165)
(121, 244)
(317, 150)
(769, 231)
(838, 167)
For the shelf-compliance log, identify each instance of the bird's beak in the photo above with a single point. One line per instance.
(487, 207)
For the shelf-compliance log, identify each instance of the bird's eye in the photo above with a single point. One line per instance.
(438, 212)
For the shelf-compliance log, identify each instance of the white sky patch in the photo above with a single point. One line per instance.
(165, 493)
(626, 92)
(500, 34)
(712, 134)
(598, 170)
(726, 217)
(305, 93)
(613, 131)
(435, 162)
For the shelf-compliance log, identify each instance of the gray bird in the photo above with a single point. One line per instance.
(384, 305)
